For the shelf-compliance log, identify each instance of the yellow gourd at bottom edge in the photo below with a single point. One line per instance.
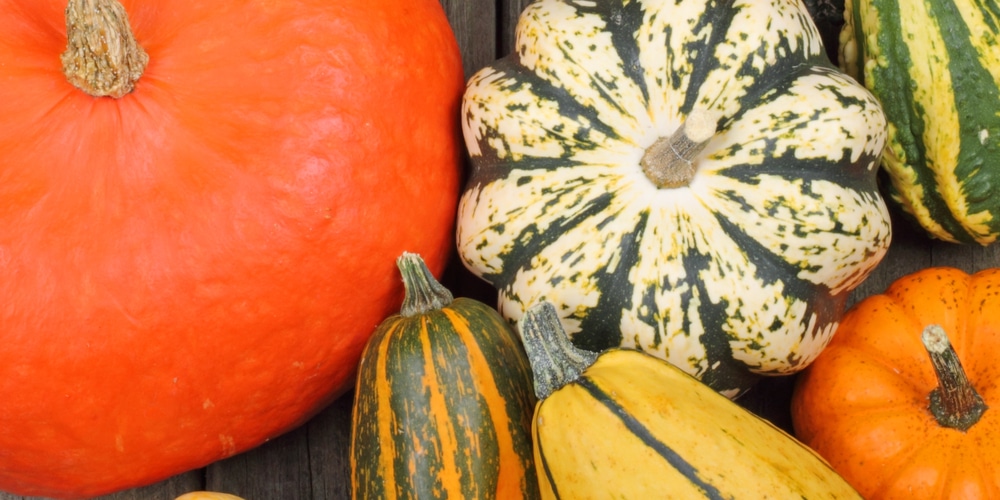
(207, 495)
(624, 424)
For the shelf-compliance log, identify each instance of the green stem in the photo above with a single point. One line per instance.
(555, 361)
(423, 292)
(954, 403)
(102, 57)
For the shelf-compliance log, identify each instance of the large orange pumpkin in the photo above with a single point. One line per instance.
(193, 268)
(901, 419)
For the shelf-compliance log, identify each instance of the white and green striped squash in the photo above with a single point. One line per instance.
(935, 67)
(738, 267)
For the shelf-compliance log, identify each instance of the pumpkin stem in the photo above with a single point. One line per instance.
(423, 292)
(102, 57)
(669, 162)
(555, 361)
(954, 403)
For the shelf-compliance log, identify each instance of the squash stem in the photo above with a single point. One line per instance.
(669, 162)
(423, 293)
(555, 361)
(954, 403)
(102, 57)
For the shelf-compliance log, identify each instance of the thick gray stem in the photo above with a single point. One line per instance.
(669, 162)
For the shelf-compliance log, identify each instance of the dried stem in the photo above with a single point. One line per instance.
(669, 162)
(555, 361)
(102, 57)
(424, 293)
(954, 403)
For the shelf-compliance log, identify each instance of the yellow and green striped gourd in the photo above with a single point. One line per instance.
(935, 67)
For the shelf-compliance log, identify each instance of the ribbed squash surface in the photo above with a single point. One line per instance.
(744, 270)
(935, 67)
(443, 403)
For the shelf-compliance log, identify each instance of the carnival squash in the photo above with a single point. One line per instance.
(935, 67)
(190, 269)
(693, 179)
(443, 402)
(903, 402)
(625, 424)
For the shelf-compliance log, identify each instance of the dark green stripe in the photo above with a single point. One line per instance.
(547, 470)
(637, 428)
(600, 326)
(501, 347)
(892, 85)
(532, 240)
(366, 481)
(716, 20)
(991, 11)
(623, 22)
(977, 100)
(776, 75)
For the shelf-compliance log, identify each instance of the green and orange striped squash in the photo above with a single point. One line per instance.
(443, 401)
(935, 67)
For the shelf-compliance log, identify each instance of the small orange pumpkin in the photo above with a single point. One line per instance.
(896, 408)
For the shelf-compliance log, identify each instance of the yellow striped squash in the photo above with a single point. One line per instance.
(692, 178)
(628, 425)
(443, 401)
(935, 67)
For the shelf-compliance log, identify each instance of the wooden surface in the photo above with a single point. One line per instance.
(311, 462)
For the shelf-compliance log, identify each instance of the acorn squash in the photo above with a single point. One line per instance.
(935, 67)
(694, 179)
(625, 424)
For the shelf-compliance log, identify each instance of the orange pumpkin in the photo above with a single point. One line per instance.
(901, 419)
(194, 267)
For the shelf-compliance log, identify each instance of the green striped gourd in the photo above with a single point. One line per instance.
(935, 67)
(443, 401)
(694, 179)
(625, 424)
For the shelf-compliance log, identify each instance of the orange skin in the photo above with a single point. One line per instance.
(863, 404)
(194, 268)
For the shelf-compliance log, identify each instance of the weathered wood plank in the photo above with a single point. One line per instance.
(508, 12)
(475, 27)
(164, 490)
(276, 469)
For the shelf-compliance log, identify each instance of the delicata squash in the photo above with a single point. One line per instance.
(625, 424)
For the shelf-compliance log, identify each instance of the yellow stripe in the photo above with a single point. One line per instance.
(984, 39)
(934, 92)
(861, 29)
